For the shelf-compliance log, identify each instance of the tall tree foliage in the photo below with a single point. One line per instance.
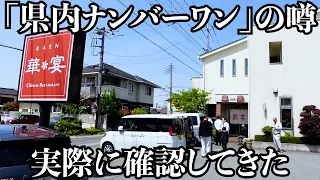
(310, 122)
(191, 101)
(111, 106)
(82, 108)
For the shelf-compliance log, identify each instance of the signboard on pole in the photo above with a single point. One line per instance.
(238, 116)
(51, 67)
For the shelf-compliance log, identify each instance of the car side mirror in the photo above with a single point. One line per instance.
(120, 128)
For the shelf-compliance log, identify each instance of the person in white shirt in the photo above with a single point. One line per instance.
(277, 128)
(224, 133)
(217, 125)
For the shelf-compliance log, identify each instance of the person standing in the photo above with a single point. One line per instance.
(205, 133)
(224, 133)
(243, 134)
(277, 128)
(217, 125)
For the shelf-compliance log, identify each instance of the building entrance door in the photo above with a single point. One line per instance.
(236, 119)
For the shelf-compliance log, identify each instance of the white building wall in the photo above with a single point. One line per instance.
(296, 77)
(143, 97)
(227, 85)
(197, 83)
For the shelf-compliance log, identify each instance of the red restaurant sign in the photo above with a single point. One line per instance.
(45, 68)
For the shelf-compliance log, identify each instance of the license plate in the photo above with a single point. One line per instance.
(179, 137)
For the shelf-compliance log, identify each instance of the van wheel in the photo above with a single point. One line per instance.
(107, 147)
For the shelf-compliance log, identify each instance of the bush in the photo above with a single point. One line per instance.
(93, 131)
(69, 127)
(287, 134)
(289, 139)
(310, 122)
(139, 111)
(267, 130)
(10, 106)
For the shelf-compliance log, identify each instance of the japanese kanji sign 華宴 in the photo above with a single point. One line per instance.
(46, 66)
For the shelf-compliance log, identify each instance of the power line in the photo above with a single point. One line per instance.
(140, 55)
(180, 32)
(10, 47)
(166, 38)
(143, 62)
(159, 45)
(215, 34)
(188, 23)
(183, 28)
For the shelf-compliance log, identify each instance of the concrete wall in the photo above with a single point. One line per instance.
(143, 97)
(295, 77)
(226, 85)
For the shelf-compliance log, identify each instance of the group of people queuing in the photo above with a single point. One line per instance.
(222, 128)
(205, 132)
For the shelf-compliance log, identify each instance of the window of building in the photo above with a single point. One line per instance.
(286, 112)
(130, 87)
(221, 68)
(148, 91)
(246, 67)
(234, 68)
(25, 110)
(275, 52)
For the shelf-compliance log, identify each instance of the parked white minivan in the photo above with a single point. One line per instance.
(196, 119)
(150, 130)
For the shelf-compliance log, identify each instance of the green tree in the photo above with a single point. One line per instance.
(111, 106)
(191, 101)
(82, 108)
(139, 111)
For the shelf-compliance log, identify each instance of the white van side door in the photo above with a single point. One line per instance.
(148, 133)
(128, 137)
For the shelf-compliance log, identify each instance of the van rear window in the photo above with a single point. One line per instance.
(194, 120)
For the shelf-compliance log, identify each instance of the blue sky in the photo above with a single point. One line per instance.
(130, 52)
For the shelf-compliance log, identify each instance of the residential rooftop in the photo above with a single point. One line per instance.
(8, 91)
(118, 73)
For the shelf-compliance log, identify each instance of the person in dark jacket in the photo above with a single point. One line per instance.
(243, 134)
(205, 133)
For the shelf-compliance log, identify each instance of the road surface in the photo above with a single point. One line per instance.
(302, 165)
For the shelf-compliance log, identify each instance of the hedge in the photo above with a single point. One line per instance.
(293, 140)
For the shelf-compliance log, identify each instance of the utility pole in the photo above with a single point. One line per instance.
(171, 110)
(100, 32)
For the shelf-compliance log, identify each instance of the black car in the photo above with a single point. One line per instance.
(19, 142)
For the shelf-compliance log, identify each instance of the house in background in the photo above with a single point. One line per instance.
(133, 91)
(226, 78)
(7, 95)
